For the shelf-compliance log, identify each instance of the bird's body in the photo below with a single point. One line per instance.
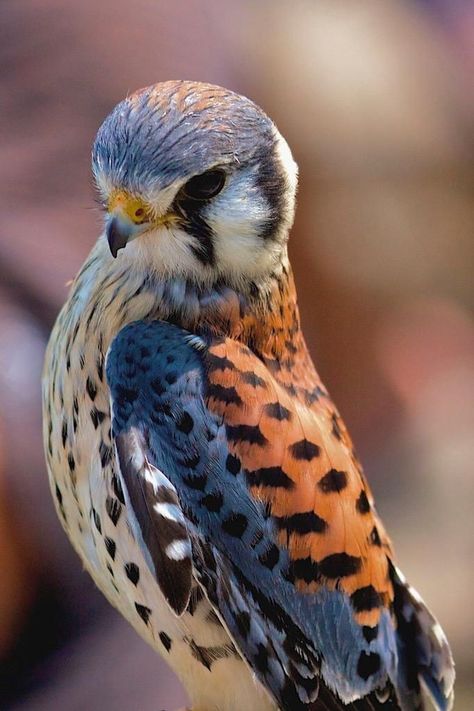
(198, 464)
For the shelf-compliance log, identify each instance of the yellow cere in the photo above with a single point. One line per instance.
(129, 206)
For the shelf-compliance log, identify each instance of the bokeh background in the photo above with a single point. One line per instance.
(374, 98)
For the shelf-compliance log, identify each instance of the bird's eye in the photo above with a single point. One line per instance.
(204, 186)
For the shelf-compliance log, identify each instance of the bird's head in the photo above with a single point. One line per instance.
(197, 183)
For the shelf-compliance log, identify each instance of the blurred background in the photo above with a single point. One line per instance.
(374, 98)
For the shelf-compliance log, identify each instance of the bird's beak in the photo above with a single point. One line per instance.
(118, 231)
(128, 216)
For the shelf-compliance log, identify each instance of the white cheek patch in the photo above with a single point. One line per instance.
(236, 219)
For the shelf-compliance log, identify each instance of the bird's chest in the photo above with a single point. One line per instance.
(92, 508)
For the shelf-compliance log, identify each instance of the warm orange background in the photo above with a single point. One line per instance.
(373, 96)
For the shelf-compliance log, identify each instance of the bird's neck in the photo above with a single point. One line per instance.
(106, 295)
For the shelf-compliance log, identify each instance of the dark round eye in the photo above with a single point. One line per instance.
(204, 186)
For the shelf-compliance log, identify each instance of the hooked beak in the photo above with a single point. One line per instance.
(118, 231)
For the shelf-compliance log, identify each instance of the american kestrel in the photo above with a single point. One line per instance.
(197, 462)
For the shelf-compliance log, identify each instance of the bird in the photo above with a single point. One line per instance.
(197, 462)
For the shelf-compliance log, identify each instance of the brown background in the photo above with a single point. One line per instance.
(373, 96)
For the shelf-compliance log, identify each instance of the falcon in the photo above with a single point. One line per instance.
(197, 462)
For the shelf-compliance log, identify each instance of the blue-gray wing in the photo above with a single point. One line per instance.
(194, 517)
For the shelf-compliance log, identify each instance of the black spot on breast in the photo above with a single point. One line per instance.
(105, 453)
(213, 501)
(97, 522)
(113, 508)
(235, 525)
(97, 417)
(339, 565)
(232, 464)
(270, 557)
(185, 422)
(276, 411)
(242, 620)
(362, 503)
(374, 537)
(132, 572)
(304, 450)
(261, 659)
(64, 432)
(249, 434)
(117, 487)
(333, 481)
(306, 522)
(71, 462)
(59, 496)
(110, 546)
(370, 633)
(365, 599)
(220, 393)
(368, 665)
(165, 641)
(91, 388)
(270, 476)
(144, 612)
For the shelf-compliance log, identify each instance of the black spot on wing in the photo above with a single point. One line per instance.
(362, 504)
(185, 422)
(368, 665)
(248, 434)
(370, 633)
(270, 557)
(235, 525)
(232, 464)
(304, 450)
(229, 395)
(277, 411)
(306, 522)
(333, 481)
(365, 599)
(305, 569)
(270, 476)
(216, 362)
(339, 565)
(374, 537)
(252, 379)
(213, 501)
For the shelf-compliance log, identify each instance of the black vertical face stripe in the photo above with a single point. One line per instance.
(272, 184)
(193, 222)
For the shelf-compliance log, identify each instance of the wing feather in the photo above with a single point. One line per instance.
(284, 537)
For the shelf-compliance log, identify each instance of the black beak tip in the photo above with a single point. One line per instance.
(118, 235)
